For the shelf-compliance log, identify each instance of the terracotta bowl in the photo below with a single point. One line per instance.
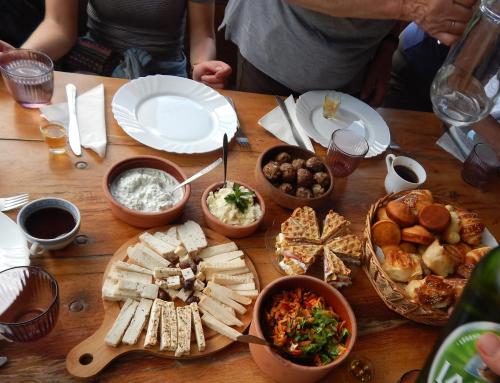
(231, 231)
(286, 200)
(270, 362)
(138, 218)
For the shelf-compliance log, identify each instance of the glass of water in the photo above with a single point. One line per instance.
(29, 76)
(467, 85)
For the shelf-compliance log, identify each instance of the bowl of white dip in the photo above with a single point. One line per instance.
(138, 191)
(234, 210)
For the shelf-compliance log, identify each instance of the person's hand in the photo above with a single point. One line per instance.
(378, 75)
(4, 47)
(444, 20)
(212, 73)
(488, 346)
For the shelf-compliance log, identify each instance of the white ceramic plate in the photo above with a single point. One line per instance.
(13, 248)
(310, 116)
(174, 114)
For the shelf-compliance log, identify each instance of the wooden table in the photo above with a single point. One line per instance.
(392, 343)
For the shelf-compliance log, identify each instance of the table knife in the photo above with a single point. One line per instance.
(295, 132)
(73, 131)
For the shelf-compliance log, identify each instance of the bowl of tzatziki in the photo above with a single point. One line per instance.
(139, 190)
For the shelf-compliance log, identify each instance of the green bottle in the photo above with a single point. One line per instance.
(455, 358)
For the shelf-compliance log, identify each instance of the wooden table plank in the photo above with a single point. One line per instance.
(394, 344)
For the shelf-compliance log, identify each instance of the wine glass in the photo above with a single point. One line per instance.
(466, 87)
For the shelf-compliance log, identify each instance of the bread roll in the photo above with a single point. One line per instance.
(409, 247)
(418, 199)
(435, 293)
(381, 214)
(474, 256)
(411, 288)
(472, 227)
(452, 232)
(401, 266)
(434, 217)
(400, 213)
(417, 234)
(385, 233)
(436, 260)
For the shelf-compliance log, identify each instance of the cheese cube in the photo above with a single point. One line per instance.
(174, 282)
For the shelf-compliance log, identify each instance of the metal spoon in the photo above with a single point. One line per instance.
(195, 176)
(224, 155)
(253, 339)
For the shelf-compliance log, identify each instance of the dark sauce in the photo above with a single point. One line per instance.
(49, 223)
(406, 173)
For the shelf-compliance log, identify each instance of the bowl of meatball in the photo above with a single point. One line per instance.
(294, 177)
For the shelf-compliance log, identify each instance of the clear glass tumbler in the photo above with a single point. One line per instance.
(55, 136)
(29, 76)
(29, 304)
(345, 152)
(467, 85)
(480, 165)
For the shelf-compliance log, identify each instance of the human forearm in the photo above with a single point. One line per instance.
(202, 50)
(50, 38)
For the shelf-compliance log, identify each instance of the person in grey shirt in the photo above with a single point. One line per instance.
(149, 33)
(293, 46)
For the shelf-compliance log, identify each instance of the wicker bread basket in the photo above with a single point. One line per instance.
(392, 293)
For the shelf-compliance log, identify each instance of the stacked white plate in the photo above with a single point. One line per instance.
(13, 247)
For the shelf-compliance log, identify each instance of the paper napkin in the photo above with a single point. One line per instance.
(275, 122)
(91, 120)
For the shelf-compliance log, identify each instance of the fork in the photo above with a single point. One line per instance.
(241, 137)
(13, 202)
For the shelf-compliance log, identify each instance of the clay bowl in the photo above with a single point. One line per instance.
(276, 366)
(281, 198)
(231, 231)
(138, 218)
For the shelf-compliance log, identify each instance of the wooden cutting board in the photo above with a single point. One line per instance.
(92, 355)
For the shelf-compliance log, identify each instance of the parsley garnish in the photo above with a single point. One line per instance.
(239, 198)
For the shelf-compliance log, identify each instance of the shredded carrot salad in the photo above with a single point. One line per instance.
(301, 324)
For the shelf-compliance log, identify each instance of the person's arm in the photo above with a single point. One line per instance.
(202, 46)
(443, 19)
(57, 33)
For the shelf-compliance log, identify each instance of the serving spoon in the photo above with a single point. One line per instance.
(225, 145)
(197, 175)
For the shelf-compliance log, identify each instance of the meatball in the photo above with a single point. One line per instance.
(314, 164)
(287, 188)
(298, 163)
(303, 192)
(304, 177)
(283, 157)
(318, 190)
(272, 171)
(288, 173)
(322, 178)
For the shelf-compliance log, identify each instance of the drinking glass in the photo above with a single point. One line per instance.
(55, 136)
(467, 85)
(345, 152)
(28, 76)
(30, 303)
(331, 105)
(480, 165)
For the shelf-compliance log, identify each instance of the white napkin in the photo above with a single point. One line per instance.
(464, 136)
(276, 123)
(90, 114)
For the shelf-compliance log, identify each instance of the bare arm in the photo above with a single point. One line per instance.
(57, 33)
(202, 45)
(443, 19)
(201, 30)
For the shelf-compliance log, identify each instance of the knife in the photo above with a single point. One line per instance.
(73, 132)
(295, 133)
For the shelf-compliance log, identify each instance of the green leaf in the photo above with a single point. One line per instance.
(239, 198)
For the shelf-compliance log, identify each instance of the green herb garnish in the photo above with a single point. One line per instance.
(239, 198)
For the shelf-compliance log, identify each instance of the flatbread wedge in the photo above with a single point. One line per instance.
(348, 248)
(302, 226)
(336, 272)
(334, 225)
